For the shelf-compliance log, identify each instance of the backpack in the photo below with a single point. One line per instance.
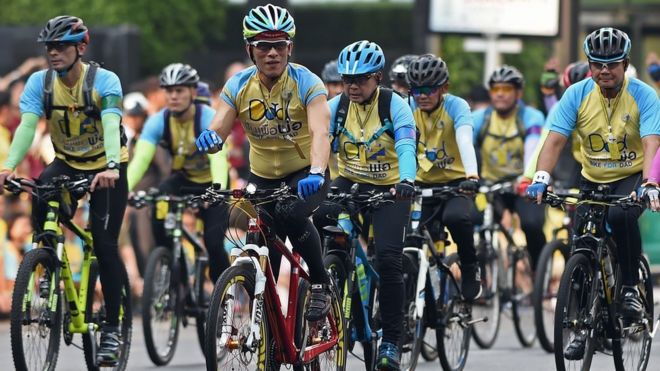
(166, 141)
(483, 132)
(387, 127)
(89, 109)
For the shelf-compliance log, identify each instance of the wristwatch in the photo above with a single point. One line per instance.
(112, 166)
(316, 170)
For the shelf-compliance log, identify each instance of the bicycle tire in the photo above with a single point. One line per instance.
(620, 346)
(428, 352)
(567, 286)
(24, 279)
(336, 267)
(157, 277)
(99, 317)
(370, 348)
(542, 294)
(522, 305)
(202, 307)
(234, 275)
(448, 322)
(485, 333)
(429, 349)
(413, 327)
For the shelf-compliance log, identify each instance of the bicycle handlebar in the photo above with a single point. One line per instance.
(79, 185)
(153, 196)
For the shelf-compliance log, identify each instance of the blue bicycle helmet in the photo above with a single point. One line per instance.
(268, 18)
(606, 45)
(361, 57)
(64, 29)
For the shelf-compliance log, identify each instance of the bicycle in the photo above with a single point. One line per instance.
(237, 333)
(439, 302)
(552, 260)
(514, 287)
(175, 278)
(36, 312)
(587, 302)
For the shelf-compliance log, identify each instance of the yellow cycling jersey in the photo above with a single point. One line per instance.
(185, 156)
(77, 138)
(610, 130)
(275, 121)
(437, 152)
(374, 164)
(502, 152)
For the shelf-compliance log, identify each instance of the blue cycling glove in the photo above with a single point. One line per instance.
(310, 185)
(208, 140)
(535, 189)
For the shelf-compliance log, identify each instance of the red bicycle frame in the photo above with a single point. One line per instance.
(283, 328)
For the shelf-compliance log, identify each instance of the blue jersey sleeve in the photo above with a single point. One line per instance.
(565, 117)
(32, 97)
(649, 108)
(207, 116)
(405, 137)
(106, 83)
(477, 121)
(534, 122)
(333, 104)
(230, 92)
(459, 110)
(153, 128)
(310, 86)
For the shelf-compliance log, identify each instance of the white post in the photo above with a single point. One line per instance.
(492, 47)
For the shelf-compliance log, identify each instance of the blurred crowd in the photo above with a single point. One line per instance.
(142, 99)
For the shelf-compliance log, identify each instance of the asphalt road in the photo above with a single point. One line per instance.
(506, 354)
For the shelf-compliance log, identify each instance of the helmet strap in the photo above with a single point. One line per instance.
(64, 72)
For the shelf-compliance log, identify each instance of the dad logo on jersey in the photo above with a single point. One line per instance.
(439, 156)
(257, 111)
(598, 144)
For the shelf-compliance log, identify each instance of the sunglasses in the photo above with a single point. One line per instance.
(426, 90)
(59, 46)
(266, 46)
(601, 66)
(356, 79)
(502, 89)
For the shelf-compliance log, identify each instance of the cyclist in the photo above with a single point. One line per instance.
(84, 116)
(398, 72)
(373, 134)
(192, 172)
(332, 79)
(446, 156)
(284, 111)
(506, 134)
(618, 121)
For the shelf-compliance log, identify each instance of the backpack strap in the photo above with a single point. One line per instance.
(484, 130)
(384, 102)
(48, 93)
(90, 109)
(340, 122)
(166, 140)
(198, 119)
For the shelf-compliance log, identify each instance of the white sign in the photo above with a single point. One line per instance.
(501, 17)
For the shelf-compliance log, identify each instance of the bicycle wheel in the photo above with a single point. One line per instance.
(370, 348)
(98, 317)
(160, 321)
(452, 335)
(228, 324)
(336, 267)
(34, 328)
(633, 350)
(521, 299)
(546, 284)
(575, 309)
(203, 296)
(320, 333)
(429, 349)
(488, 305)
(412, 326)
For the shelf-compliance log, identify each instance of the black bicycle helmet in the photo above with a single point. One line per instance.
(330, 72)
(427, 70)
(400, 67)
(507, 74)
(607, 44)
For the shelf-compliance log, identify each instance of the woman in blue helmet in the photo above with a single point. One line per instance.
(373, 134)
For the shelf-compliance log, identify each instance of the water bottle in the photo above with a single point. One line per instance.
(170, 221)
(416, 214)
(435, 279)
(344, 222)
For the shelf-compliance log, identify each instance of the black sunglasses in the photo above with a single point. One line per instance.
(59, 46)
(266, 46)
(426, 90)
(356, 79)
